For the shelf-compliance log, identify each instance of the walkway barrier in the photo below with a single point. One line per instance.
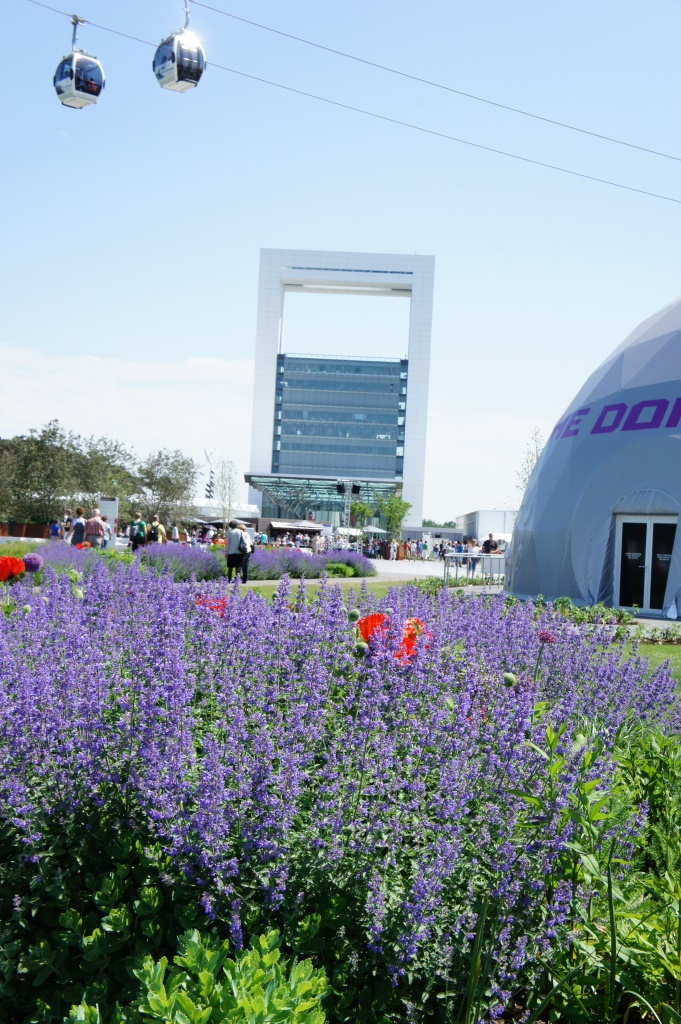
(462, 567)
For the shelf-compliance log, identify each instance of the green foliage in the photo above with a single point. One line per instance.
(619, 955)
(565, 607)
(393, 511)
(667, 634)
(48, 469)
(93, 899)
(430, 585)
(115, 557)
(360, 512)
(164, 485)
(203, 985)
(18, 548)
(339, 569)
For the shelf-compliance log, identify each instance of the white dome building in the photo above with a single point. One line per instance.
(598, 519)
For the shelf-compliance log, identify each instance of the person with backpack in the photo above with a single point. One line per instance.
(78, 527)
(234, 549)
(245, 549)
(156, 532)
(138, 532)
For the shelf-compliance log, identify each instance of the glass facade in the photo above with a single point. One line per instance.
(340, 417)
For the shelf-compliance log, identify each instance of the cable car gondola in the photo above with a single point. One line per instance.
(79, 78)
(179, 61)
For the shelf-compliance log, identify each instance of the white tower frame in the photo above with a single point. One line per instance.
(346, 273)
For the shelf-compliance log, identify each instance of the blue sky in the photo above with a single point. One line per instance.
(131, 230)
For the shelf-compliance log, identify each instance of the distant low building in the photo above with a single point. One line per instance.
(484, 521)
(213, 513)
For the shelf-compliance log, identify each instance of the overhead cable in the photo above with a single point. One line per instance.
(438, 85)
(385, 117)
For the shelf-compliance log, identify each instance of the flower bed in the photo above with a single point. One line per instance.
(404, 797)
(185, 561)
(266, 564)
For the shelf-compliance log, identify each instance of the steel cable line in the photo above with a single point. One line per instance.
(438, 85)
(386, 118)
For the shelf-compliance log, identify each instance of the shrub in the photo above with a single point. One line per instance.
(421, 818)
(203, 984)
(269, 564)
(339, 569)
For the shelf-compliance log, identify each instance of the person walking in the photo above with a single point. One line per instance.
(138, 532)
(107, 532)
(233, 552)
(246, 549)
(156, 532)
(77, 532)
(67, 526)
(472, 549)
(94, 529)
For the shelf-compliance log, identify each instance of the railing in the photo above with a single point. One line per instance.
(464, 566)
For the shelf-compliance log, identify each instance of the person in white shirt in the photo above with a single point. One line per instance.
(472, 548)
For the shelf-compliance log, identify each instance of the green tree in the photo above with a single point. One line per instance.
(226, 488)
(393, 511)
(104, 467)
(360, 512)
(6, 479)
(429, 522)
(44, 473)
(164, 485)
(533, 450)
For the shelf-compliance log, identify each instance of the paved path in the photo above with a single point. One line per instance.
(407, 569)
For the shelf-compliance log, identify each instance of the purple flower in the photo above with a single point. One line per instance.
(273, 765)
(33, 562)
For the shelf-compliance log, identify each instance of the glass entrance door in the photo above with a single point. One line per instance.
(642, 559)
(660, 558)
(633, 564)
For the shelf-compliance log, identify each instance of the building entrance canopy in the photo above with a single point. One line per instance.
(296, 525)
(298, 495)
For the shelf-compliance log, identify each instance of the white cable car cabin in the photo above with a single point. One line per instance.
(79, 78)
(179, 62)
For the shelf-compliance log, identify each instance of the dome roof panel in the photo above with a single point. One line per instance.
(618, 438)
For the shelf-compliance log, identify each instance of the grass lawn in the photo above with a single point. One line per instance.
(379, 587)
(657, 653)
(18, 548)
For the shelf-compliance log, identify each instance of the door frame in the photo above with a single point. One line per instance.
(650, 521)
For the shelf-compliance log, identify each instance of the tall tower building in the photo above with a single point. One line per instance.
(328, 426)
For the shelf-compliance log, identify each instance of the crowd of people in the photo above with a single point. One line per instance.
(75, 528)
(95, 531)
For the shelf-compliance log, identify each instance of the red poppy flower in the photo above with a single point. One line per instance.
(213, 604)
(367, 626)
(10, 568)
(378, 622)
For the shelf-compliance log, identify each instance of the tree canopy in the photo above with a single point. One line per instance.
(50, 469)
(394, 511)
